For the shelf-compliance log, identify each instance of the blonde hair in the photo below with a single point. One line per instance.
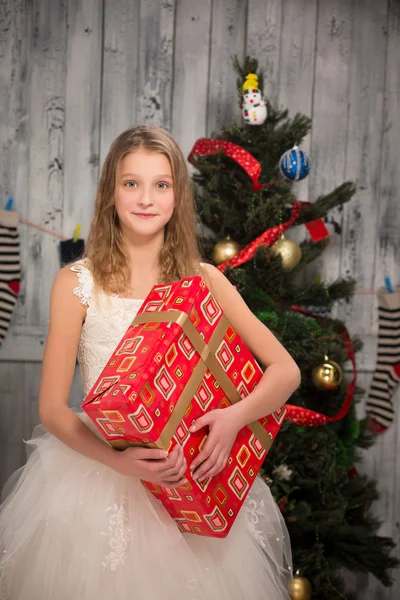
(179, 256)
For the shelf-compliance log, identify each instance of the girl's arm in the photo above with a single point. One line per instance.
(277, 384)
(66, 318)
(282, 376)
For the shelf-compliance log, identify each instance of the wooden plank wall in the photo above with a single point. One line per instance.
(73, 74)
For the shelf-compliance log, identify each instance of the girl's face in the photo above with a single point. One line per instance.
(144, 193)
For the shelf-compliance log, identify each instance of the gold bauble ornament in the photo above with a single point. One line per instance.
(300, 588)
(328, 375)
(224, 250)
(289, 251)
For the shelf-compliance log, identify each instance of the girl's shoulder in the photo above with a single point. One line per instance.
(216, 281)
(210, 273)
(72, 280)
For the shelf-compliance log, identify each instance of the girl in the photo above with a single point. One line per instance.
(79, 525)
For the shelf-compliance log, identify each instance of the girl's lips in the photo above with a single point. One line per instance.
(144, 215)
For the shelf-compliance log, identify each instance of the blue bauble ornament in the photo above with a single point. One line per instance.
(294, 164)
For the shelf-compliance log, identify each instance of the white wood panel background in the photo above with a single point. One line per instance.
(75, 73)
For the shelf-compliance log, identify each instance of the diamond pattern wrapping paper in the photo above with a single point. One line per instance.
(179, 359)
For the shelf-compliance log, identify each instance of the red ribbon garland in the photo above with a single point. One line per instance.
(206, 146)
(265, 239)
(310, 418)
(316, 229)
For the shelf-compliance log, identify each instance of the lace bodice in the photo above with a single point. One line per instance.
(107, 319)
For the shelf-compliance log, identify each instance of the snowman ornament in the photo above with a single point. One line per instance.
(253, 108)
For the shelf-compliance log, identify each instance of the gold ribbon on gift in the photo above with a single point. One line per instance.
(207, 362)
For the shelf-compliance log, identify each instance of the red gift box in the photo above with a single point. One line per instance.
(179, 359)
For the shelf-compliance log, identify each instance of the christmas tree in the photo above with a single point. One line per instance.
(245, 199)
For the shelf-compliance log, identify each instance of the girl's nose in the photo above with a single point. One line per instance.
(145, 199)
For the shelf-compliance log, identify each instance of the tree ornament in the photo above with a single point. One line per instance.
(253, 107)
(300, 588)
(294, 164)
(289, 251)
(224, 250)
(328, 375)
(283, 472)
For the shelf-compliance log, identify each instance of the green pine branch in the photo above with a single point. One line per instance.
(323, 204)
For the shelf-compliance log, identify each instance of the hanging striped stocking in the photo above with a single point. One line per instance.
(10, 268)
(387, 374)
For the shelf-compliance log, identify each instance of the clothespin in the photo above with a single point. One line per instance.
(388, 284)
(9, 204)
(76, 233)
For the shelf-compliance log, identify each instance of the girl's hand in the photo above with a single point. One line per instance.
(152, 465)
(223, 429)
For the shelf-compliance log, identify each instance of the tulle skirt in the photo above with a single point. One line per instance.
(74, 529)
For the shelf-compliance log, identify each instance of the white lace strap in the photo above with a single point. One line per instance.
(84, 290)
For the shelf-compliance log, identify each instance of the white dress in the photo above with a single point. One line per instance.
(74, 529)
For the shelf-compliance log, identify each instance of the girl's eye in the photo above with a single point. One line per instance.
(130, 184)
(162, 185)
